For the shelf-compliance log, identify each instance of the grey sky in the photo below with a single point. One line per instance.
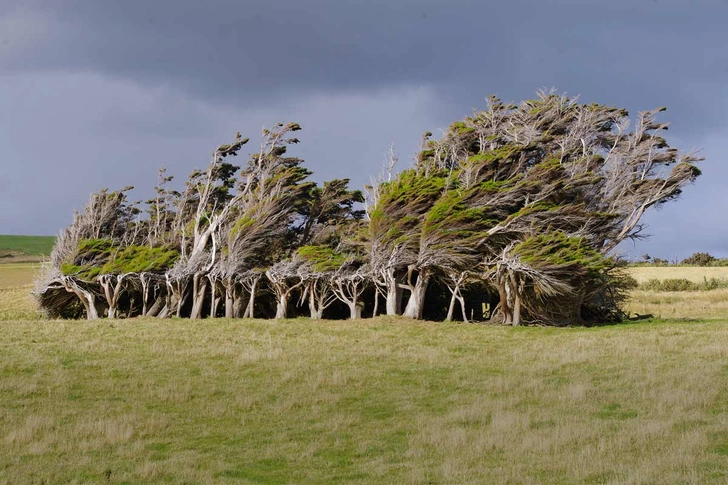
(100, 93)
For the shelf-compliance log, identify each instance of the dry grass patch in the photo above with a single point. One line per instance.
(377, 401)
(680, 304)
(17, 274)
(17, 303)
(696, 274)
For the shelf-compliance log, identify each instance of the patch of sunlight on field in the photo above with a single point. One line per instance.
(695, 274)
(17, 274)
(373, 401)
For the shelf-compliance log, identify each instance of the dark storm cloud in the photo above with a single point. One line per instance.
(153, 79)
(631, 53)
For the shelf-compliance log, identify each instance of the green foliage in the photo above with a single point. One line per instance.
(403, 204)
(321, 258)
(102, 256)
(241, 225)
(461, 127)
(699, 259)
(683, 284)
(137, 259)
(91, 255)
(558, 249)
(451, 216)
(85, 272)
(95, 246)
(501, 153)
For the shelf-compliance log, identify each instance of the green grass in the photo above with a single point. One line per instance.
(377, 401)
(13, 246)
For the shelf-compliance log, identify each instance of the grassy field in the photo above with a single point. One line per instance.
(376, 401)
(30, 245)
(693, 273)
(17, 274)
(21, 249)
(383, 401)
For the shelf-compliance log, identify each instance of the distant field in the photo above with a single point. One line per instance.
(692, 273)
(24, 248)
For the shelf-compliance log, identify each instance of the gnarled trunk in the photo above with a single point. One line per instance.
(144, 279)
(348, 288)
(416, 301)
(394, 292)
(504, 306)
(88, 300)
(252, 288)
(177, 294)
(282, 306)
(516, 296)
(199, 288)
(230, 294)
(215, 295)
(112, 286)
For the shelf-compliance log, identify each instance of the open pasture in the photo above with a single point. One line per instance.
(374, 401)
(696, 274)
(17, 274)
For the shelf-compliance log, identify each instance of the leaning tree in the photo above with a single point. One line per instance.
(522, 204)
(538, 195)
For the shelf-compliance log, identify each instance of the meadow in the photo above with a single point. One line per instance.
(376, 401)
(691, 273)
(19, 249)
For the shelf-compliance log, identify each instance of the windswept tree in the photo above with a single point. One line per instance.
(573, 173)
(519, 204)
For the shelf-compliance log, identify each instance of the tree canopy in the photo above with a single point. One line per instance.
(515, 210)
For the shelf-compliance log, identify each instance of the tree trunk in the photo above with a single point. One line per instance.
(215, 296)
(112, 291)
(177, 294)
(229, 297)
(282, 306)
(516, 309)
(451, 308)
(87, 298)
(462, 306)
(145, 291)
(354, 310)
(164, 313)
(199, 287)
(154, 310)
(417, 298)
(504, 307)
(394, 293)
(315, 302)
(516, 294)
(250, 309)
(91, 311)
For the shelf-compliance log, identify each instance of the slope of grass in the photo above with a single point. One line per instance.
(18, 249)
(376, 401)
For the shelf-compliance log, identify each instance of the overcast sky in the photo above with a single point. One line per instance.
(101, 93)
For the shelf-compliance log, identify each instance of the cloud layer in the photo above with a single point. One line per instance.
(101, 93)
